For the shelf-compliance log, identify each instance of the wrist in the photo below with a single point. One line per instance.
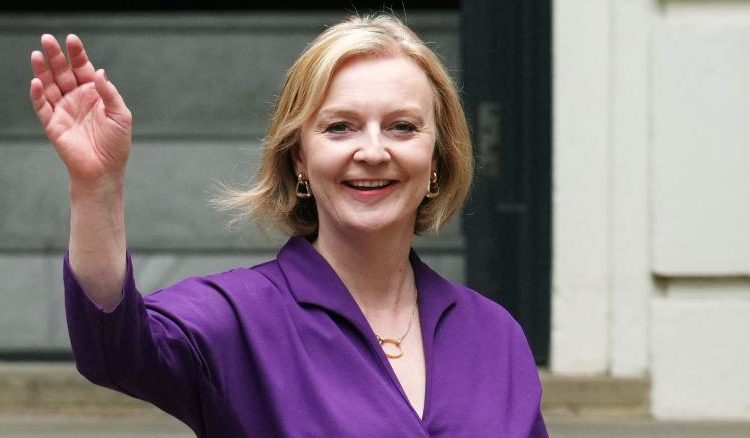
(103, 190)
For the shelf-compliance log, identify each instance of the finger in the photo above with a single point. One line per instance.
(79, 60)
(61, 71)
(42, 108)
(114, 105)
(44, 74)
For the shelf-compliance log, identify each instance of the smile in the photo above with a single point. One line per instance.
(372, 184)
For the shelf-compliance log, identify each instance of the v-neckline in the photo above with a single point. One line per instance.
(300, 263)
(418, 412)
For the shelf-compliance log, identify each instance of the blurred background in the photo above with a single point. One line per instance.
(609, 214)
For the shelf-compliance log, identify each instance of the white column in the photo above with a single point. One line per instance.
(631, 284)
(581, 186)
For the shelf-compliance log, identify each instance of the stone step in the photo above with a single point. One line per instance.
(38, 387)
(43, 388)
(599, 396)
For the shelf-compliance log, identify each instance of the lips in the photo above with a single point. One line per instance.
(369, 184)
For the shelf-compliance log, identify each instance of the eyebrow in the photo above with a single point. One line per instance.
(333, 112)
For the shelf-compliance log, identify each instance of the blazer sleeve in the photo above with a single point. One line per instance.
(140, 351)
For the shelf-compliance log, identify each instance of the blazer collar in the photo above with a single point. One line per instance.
(314, 282)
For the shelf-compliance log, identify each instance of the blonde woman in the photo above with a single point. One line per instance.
(346, 332)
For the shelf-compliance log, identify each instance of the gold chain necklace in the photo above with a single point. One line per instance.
(397, 342)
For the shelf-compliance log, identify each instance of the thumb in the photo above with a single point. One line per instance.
(114, 105)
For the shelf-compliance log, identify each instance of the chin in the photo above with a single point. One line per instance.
(378, 225)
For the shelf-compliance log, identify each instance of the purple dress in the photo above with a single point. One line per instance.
(282, 350)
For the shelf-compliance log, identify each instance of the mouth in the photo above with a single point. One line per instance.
(369, 184)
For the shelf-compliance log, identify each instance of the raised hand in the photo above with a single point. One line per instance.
(81, 112)
(87, 121)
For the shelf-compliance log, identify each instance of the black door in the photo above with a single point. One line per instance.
(507, 93)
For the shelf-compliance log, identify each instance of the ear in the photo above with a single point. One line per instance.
(434, 165)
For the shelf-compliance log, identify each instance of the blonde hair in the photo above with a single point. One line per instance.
(273, 198)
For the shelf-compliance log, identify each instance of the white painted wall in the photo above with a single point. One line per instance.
(701, 159)
(701, 351)
(651, 253)
(701, 210)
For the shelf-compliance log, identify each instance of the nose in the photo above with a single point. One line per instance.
(372, 147)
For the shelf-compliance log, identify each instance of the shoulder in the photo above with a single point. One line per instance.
(468, 311)
(484, 311)
(466, 304)
(216, 299)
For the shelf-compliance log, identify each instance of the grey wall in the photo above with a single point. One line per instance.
(200, 88)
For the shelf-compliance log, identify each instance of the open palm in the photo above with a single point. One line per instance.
(81, 112)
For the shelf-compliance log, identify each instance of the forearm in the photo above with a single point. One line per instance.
(97, 239)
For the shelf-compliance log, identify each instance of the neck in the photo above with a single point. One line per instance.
(374, 267)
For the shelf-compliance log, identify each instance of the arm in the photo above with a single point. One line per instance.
(116, 341)
(87, 121)
(138, 349)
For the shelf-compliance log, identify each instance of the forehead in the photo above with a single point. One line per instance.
(377, 82)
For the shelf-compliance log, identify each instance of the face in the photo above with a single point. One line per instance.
(368, 151)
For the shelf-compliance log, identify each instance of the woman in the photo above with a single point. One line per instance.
(347, 332)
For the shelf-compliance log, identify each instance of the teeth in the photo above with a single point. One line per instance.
(370, 184)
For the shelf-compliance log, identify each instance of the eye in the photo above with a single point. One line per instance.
(337, 128)
(404, 127)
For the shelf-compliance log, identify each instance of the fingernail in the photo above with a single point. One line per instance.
(104, 72)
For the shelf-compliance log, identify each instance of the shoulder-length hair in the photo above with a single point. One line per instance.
(273, 200)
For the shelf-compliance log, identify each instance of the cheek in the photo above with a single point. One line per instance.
(324, 171)
(424, 161)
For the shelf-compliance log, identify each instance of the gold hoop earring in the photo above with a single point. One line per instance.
(303, 187)
(432, 188)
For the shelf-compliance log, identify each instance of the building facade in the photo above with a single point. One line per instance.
(651, 199)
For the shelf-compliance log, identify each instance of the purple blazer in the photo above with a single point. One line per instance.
(282, 350)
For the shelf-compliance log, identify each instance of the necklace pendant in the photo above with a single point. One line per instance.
(396, 343)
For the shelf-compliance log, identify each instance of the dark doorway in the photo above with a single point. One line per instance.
(507, 93)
